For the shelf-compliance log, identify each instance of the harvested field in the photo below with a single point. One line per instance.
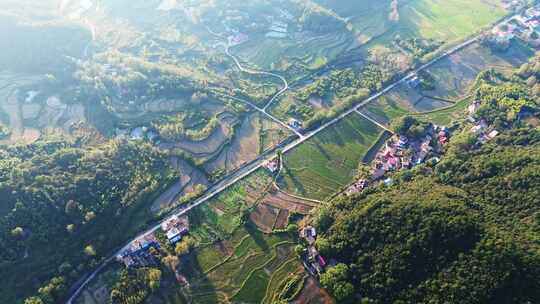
(312, 293)
(190, 177)
(282, 219)
(284, 201)
(31, 113)
(453, 78)
(254, 136)
(242, 149)
(207, 147)
(426, 104)
(455, 74)
(264, 216)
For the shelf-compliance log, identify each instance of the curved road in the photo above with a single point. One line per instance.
(255, 72)
(260, 160)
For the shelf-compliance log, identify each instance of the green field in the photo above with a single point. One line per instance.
(449, 19)
(221, 216)
(329, 161)
(234, 260)
(240, 268)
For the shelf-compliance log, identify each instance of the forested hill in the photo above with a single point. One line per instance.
(464, 230)
(63, 208)
(467, 233)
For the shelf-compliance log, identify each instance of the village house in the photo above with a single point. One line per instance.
(479, 127)
(309, 233)
(237, 39)
(175, 228)
(137, 133)
(485, 137)
(272, 165)
(295, 124)
(357, 187)
(473, 107)
(443, 137)
(312, 260)
(414, 82)
(137, 254)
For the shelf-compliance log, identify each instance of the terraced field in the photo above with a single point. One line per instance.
(307, 50)
(244, 274)
(252, 136)
(453, 77)
(240, 268)
(329, 161)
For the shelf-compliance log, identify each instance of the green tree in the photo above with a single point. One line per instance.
(324, 246)
(403, 124)
(154, 279)
(33, 300)
(292, 229)
(335, 279)
(17, 232)
(184, 247)
(90, 251)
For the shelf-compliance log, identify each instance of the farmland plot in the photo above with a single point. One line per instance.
(329, 161)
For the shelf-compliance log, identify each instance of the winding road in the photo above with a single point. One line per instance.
(257, 163)
(255, 72)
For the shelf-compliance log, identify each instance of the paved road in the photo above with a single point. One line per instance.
(259, 161)
(255, 72)
(269, 103)
(262, 111)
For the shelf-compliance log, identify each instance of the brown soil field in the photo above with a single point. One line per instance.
(189, 178)
(282, 219)
(283, 201)
(455, 74)
(254, 135)
(264, 216)
(313, 294)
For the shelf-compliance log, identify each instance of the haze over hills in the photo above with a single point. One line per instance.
(269, 151)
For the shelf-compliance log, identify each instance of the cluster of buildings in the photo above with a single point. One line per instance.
(237, 38)
(175, 228)
(277, 30)
(400, 152)
(312, 260)
(139, 252)
(138, 133)
(295, 124)
(525, 26)
(480, 127)
(272, 165)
